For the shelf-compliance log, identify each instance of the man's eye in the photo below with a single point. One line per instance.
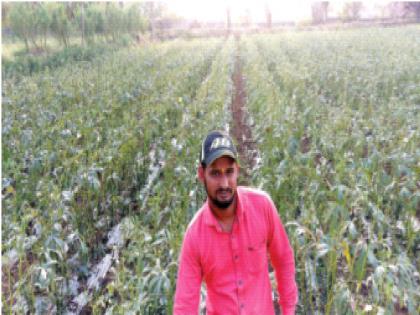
(214, 173)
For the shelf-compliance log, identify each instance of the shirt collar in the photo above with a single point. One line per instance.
(210, 219)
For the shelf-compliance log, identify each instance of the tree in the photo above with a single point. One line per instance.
(268, 17)
(29, 22)
(413, 8)
(153, 12)
(114, 21)
(43, 21)
(319, 12)
(228, 20)
(352, 10)
(135, 22)
(20, 22)
(405, 9)
(5, 10)
(33, 22)
(60, 25)
(89, 20)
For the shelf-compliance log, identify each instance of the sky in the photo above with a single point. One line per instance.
(281, 10)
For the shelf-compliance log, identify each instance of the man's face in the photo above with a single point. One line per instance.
(220, 181)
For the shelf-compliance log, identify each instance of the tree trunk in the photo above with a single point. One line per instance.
(35, 44)
(64, 39)
(26, 44)
(83, 24)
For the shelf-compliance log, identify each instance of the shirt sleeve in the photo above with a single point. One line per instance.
(187, 294)
(282, 259)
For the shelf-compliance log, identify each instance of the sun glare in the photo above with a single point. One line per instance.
(255, 11)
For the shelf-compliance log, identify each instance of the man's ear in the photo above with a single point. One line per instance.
(200, 173)
(238, 167)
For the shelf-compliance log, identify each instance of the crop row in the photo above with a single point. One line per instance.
(145, 276)
(99, 168)
(80, 145)
(336, 119)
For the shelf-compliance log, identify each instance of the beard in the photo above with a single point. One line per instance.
(219, 203)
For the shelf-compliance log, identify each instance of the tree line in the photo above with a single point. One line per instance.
(351, 10)
(35, 22)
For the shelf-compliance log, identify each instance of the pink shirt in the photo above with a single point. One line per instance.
(234, 265)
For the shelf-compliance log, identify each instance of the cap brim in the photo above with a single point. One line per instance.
(219, 153)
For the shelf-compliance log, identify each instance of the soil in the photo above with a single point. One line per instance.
(10, 275)
(241, 130)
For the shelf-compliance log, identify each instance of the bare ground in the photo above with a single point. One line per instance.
(241, 131)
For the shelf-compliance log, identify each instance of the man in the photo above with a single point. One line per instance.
(227, 243)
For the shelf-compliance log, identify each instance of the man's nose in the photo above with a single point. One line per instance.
(224, 181)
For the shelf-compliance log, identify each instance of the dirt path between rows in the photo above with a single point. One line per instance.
(241, 131)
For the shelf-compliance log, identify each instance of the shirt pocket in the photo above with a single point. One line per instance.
(257, 256)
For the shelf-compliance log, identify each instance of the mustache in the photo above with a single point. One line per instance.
(222, 190)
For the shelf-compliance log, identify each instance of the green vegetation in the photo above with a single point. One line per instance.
(99, 160)
(27, 64)
(336, 116)
(80, 147)
(48, 35)
(34, 22)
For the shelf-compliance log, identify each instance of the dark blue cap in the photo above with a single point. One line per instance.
(216, 144)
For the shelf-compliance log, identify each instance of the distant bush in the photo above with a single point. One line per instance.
(27, 64)
(33, 22)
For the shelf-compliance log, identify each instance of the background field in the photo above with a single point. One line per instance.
(99, 159)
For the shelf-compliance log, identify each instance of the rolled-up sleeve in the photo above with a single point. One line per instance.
(187, 294)
(282, 259)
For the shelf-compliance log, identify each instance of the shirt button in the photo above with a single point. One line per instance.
(236, 257)
(240, 282)
(242, 305)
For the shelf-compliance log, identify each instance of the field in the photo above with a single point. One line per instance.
(99, 166)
